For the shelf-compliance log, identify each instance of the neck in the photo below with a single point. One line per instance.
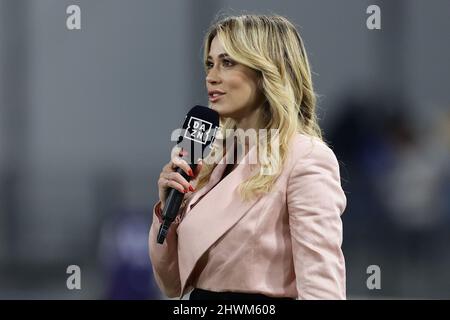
(252, 120)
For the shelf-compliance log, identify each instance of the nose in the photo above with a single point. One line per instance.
(212, 76)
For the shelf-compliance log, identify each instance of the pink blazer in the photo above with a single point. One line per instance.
(286, 243)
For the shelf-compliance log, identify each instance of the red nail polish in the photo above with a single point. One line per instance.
(191, 188)
(191, 173)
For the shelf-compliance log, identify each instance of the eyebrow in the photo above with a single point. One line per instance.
(222, 55)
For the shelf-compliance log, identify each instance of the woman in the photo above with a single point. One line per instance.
(248, 230)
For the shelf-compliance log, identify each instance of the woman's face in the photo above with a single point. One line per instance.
(232, 87)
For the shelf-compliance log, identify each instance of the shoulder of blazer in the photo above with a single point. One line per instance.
(308, 150)
(311, 155)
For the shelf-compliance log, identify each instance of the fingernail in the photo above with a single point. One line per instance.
(191, 188)
(191, 173)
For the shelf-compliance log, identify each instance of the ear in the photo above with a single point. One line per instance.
(260, 83)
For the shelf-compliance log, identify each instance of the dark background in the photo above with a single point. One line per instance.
(86, 118)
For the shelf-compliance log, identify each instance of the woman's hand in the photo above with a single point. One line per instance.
(169, 178)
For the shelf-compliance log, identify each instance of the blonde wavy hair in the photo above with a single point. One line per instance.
(270, 45)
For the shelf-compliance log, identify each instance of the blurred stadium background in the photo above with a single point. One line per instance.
(86, 117)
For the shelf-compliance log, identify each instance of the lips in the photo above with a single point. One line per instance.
(215, 95)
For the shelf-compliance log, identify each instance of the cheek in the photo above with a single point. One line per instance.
(241, 87)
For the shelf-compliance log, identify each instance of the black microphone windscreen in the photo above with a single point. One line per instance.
(199, 129)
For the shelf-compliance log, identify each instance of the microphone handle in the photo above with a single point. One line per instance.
(172, 206)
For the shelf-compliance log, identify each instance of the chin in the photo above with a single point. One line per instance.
(221, 110)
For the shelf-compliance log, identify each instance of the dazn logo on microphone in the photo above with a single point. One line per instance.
(198, 130)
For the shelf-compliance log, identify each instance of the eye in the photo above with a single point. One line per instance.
(208, 64)
(227, 63)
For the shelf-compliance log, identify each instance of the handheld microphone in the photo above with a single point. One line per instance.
(198, 134)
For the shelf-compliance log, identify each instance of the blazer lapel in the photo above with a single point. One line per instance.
(213, 180)
(214, 215)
